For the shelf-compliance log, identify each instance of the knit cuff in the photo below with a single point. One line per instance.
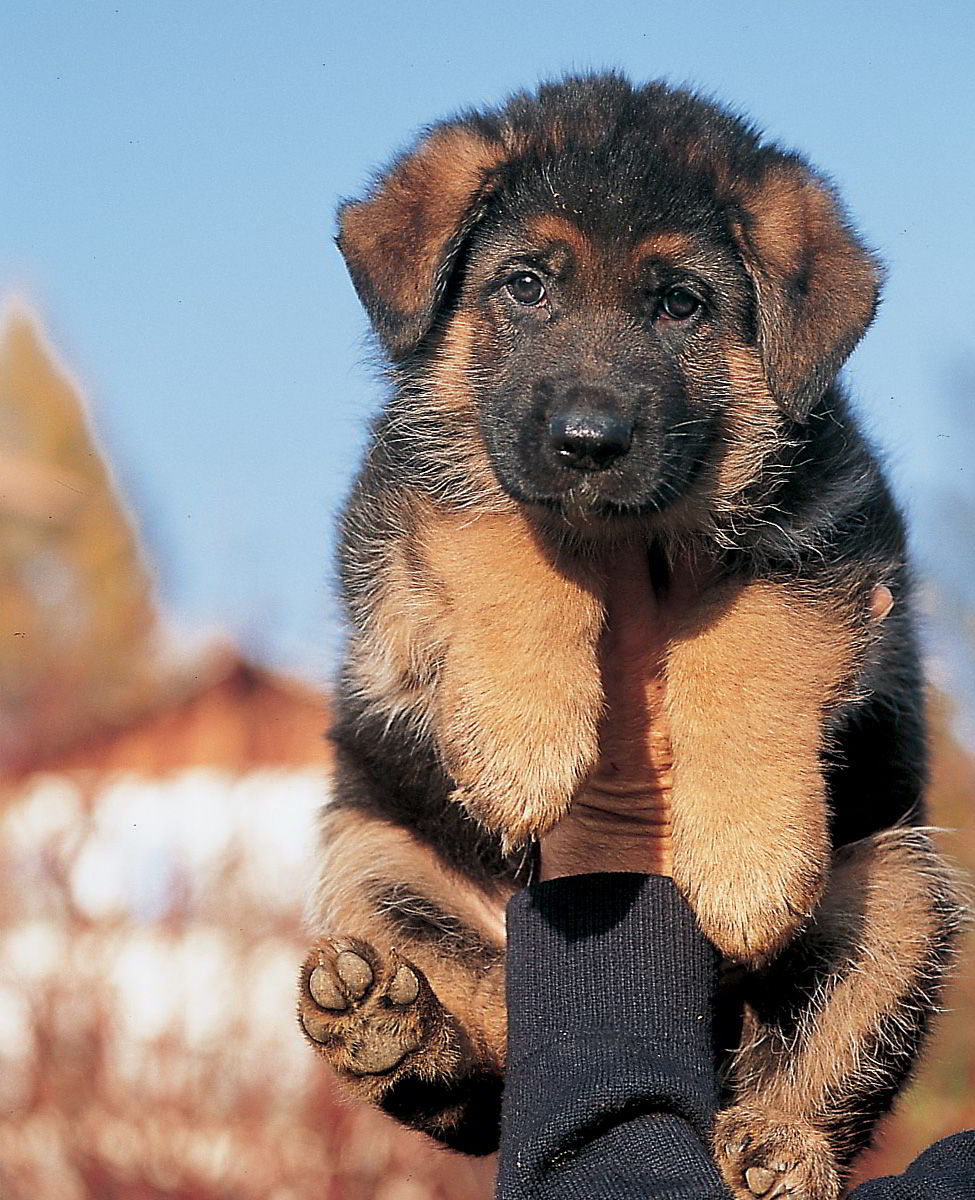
(610, 951)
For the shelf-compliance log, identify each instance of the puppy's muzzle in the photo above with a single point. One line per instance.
(587, 437)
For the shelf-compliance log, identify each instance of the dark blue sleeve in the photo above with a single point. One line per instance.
(610, 1088)
(945, 1171)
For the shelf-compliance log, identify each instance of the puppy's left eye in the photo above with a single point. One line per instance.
(526, 288)
(678, 304)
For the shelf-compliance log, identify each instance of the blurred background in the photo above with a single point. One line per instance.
(185, 380)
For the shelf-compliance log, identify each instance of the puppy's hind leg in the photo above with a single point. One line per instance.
(405, 998)
(834, 1025)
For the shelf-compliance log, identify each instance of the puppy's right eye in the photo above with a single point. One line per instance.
(526, 288)
(677, 304)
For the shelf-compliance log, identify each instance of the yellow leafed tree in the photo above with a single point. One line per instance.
(76, 614)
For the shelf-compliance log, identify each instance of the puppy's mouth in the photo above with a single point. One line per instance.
(594, 451)
(600, 463)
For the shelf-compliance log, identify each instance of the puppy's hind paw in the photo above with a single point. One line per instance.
(373, 1015)
(764, 1155)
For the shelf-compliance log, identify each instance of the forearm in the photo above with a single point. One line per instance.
(945, 1171)
(611, 1087)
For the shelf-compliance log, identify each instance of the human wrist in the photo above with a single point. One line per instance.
(604, 833)
(628, 942)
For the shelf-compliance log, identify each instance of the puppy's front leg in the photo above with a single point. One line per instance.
(519, 695)
(749, 678)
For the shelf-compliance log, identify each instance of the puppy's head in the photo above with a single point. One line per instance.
(626, 291)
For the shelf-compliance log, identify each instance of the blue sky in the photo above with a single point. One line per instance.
(170, 171)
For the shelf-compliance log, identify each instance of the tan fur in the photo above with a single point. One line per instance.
(361, 856)
(553, 229)
(885, 927)
(878, 923)
(517, 743)
(747, 681)
(793, 242)
(359, 851)
(450, 388)
(455, 599)
(752, 429)
(398, 651)
(414, 215)
(449, 396)
(778, 213)
(668, 245)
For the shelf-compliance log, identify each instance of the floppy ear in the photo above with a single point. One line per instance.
(817, 284)
(401, 241)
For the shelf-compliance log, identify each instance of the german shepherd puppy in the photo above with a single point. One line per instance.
(615, 313)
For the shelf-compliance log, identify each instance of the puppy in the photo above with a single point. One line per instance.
(615, 316)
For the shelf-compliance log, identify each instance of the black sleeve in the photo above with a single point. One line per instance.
(945, 1171)
(610, 1088)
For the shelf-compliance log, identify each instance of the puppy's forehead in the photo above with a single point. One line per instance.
(614, 184)
(561, 240)
(666, 244)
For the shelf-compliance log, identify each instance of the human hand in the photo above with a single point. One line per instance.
(620, 821)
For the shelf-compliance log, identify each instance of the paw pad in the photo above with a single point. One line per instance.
(355, 973)
(325, 992)
(764, 1155)
(404, 987)
(365, 1011)
(761, 1179)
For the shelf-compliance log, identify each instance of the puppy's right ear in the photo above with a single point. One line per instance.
(401, 241)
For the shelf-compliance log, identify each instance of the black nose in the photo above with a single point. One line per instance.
(589, 439)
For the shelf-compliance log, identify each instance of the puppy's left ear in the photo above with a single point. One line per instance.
(401, 242)
(817, 284)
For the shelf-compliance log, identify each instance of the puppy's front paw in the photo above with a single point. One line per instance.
(521, 786)
(750, 915)
(516, 815)
(764, 1154)
(374, 1017)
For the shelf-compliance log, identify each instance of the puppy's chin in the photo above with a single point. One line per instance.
(603, 503)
